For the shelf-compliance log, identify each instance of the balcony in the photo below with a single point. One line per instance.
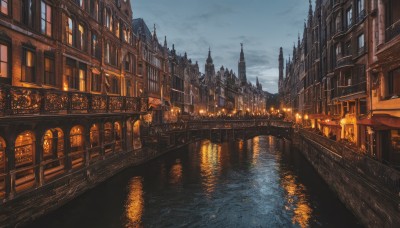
(346, 61)
(393, 31)
(339, 33)
(336, 4)
(16, 101)
(360, 17)
(347, 92)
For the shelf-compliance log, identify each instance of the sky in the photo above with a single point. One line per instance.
(263, 26)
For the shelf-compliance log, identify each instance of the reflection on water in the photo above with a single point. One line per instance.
(135, 203)
(209, 165)
(261, 182)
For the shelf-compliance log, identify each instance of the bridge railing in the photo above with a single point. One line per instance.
(215, 124)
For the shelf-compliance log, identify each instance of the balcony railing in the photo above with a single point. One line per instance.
(345, 61)
(393, 31)
(32, 101)
(357, 88)
(361, 15)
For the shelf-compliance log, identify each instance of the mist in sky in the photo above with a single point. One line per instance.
(261, 25)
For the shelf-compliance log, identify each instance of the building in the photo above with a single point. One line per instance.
(343, 77)
(71, 74)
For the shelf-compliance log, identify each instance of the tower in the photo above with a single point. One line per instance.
(209, 67)
(242, 67)
(280, 71)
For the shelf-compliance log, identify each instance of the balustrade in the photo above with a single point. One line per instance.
(33, 101)
(393, 31)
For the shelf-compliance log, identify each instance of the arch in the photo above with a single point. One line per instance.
(129, 135)
(53, 153)
(77, 146)
(117, 136)
(24, 155)
(94, 141)
(2, 167)
(108, 138)
(137, 143)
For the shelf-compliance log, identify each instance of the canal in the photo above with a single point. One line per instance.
(261, 182)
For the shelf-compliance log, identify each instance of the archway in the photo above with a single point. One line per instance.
(77, 146)
(129, 139)
(118, 136)
(94, 141)
(108, 138)
(53, 153)
(24, 155)
(137, 143)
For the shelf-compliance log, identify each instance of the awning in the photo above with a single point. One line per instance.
(318, 116)
(331, 124)
(381, 120)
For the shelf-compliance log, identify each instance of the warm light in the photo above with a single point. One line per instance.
(306, 117)
(343, 121)
(272, 108)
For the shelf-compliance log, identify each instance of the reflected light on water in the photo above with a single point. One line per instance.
(209, 165)
(256, 149)
(297, 201)
(135, 204)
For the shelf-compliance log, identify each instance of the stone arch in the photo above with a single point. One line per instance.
(77, 146)
(137, 143)
(24, 161)
(53, 153)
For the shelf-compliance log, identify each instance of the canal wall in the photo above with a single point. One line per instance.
(36, 202)
(367, 187)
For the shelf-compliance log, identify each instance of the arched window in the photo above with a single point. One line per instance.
(94, 141)
(53, 153)
(2, 167)
(24, 161)
(137, 143)
(129, 136)
(108, 138)
(77, 148)
(118, 136)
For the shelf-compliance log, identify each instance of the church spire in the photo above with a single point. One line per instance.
(241, 53)
(209, 59)
(165, 42)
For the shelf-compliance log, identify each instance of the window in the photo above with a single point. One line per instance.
(349, 17)
(27, 12)
(360, 7)
(53, 153)
(69, 31)
(109, 19)
(72, 76)
(81, 37)
(96, 50)
(82, 77)
(45, 18)
(4, 6)
(82, 4)
(128, 88)
(77, 146)
(24, 159)
(95, 9)
(127, 63)
(117, 30)
(360, 43)
(96, 82)
(338, 23)
(28, 66)
(115, 85)
(117, 136)
(348, 48)
(4, 55)
(394, 83)
(49, 76)
(338, 49)
(94, 141)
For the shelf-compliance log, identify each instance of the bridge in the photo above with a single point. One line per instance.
(171, 135)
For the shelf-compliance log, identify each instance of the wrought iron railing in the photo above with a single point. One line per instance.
(356, 88)
(393, 31)
(344, 61)
(33, 101)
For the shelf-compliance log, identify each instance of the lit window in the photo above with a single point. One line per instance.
(4, 61)
(49, 76)
(69, 31)
(4, 6)
(45, 19)
(117, 30)
(107, 53)
(28, 66)
(82, 77)
(81, 37)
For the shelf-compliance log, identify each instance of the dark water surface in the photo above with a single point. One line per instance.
(261, 182)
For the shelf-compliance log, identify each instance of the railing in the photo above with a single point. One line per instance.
(361, 15)
(358, 162)
(393, 31)
(359, 87)
(344, 61)
(216, 124)
(32, 101)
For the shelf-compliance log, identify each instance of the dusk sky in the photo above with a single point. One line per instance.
(261, 25)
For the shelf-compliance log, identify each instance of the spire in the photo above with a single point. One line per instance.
(185, 55)
(165, 42)
(298, 40)
(310, 9)
(154, 33)
(241, 53)
(281, 64)
(209, 59)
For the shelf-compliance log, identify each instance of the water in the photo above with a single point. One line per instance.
(261, 182)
